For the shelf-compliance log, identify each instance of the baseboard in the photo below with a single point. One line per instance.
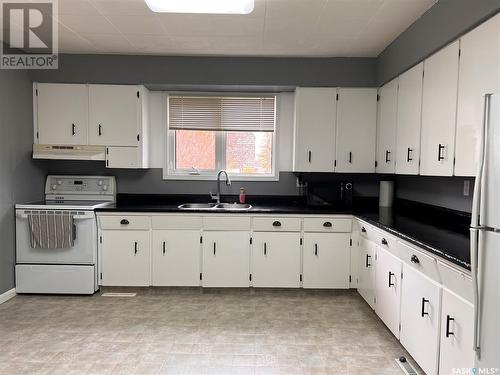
(7, 295)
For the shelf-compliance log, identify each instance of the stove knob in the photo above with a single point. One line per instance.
(54, 187)
(99, 183)
(59, 182)
(105, 187)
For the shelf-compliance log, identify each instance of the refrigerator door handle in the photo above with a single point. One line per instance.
(475, 287)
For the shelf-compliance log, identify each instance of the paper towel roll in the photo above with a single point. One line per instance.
(386, 193)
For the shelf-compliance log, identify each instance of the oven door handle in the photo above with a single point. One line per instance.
(75, 217)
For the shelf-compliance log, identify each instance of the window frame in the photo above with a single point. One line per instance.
(170, 173)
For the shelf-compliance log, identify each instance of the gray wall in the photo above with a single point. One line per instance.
(21, 179)
(441, 24)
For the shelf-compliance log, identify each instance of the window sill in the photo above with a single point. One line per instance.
(201, 177)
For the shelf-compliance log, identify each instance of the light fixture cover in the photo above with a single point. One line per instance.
(202, 6)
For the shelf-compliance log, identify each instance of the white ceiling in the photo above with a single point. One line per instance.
(310, 28)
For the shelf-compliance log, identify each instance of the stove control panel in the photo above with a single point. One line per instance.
(80, 187)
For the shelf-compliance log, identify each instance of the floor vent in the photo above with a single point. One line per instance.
(407, 368)
(118, 294)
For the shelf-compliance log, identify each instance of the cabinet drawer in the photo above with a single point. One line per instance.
(327, 224)
(386, 241)
(180, 222)
(459, 282)
(367, 231)
(226, 223)
(125, 222)
(420, 261)
(276, 224)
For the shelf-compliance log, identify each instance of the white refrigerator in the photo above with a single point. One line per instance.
(485, 241)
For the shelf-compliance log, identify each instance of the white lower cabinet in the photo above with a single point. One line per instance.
(125, 258)
(326, 260)
(276, 260)
(457, 318)
(226, 259)
(176, 258)
(366, 271)
(420, 318)
(388, 289)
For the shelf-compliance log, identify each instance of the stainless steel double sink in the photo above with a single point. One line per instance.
(215, 207)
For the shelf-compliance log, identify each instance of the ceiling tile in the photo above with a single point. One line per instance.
(112, 43)
(88, 24)
(146, 25)
(123, 7)
(77, 7)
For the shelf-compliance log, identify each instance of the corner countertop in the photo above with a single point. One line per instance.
(440, 231)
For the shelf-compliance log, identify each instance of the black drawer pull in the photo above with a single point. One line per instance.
(384, 242)
(387, 154)
(390, 279)
(277, 224)
(135, 247)
(408, 156)
(448, 320)
(124, 222)
(440, 152)
(414, 259)
(368, 264)
(265, 248)
(424, 301)
(100, 130)
(363, 230)
(164, 247)
(215, 248)
(327, 224)
(73, 129)
(316, 249)
(350, 157)
(309, 155)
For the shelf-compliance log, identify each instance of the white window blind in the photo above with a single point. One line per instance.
(222, 113)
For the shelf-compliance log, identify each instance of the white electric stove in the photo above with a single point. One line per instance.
(67, 270)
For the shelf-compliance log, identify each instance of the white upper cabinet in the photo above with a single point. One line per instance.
(479, 75)
(115, 115)
(439, 108)
(314, 126)
(61, 114)
(356, 130)
(386, 127)
(409, 115)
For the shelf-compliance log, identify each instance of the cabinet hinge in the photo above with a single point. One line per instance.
(107, 163)
(350, 242)
(423, 73)
(300, 277)
(37, 135)
(401, 275)
(337, 96)
(201, 276)
(350, 278)
(201, 239)
(376, 164)
(399, 327)
(454, 161)
(374, 299)
(101, 275)
(138, 95)
(300, 241)
(335, 163)
(100, 239)
(375, 256)
(251, 240)
(459, 52)
(378, 97)
(36, 92)
(250, 277)
(107, 151)
(138, 137)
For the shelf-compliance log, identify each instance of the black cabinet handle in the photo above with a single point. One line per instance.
(309, 155)
(316, 249)
(408, 157)
(327, 224)
(440, 153)
(124, 222)
(368, 264)
(387, 154)
(424, 301)
(164, 247)
(384, 242)
(135, 247)
(100, 130)
(73, 129)
(277, 224)
(350, 157)
(414, 259)
(215, 248)
(448, 320)
(265, 248)
(363, 230)
(390, 279)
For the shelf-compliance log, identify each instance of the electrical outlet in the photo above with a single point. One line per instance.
(466, 188)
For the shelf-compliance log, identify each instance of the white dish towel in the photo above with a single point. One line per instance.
(51, 230)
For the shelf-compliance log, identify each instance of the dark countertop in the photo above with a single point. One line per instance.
(440, 231)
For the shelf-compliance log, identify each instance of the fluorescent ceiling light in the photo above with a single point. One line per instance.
(202, 6)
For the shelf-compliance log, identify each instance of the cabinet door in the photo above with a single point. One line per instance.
(457, 322)
(420, 318)
(124, 157)
(387, 112)
(125, 257)
(388, 289)
(326, 260)
(356, 130)
(276, 260)
(176, 258)
(409, 120)
(226, 259)
(62, 113)
(114, 115)
(314, 123)
(366, 271)
(479, 75)
(439, 109)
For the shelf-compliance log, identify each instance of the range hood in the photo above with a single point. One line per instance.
(67, 152)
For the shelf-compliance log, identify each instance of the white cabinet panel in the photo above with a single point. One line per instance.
(115, 115)
(439, 109)
(276, 260)
(366, 271)
(124, 157)
(388, 289)
(176, 258)
(326, 260)
(356, 130)
(420, 318)
(314, 124)
(457, 322)
(386, 127)
(409, 120)
(61, 112)
(125, 258)
(479, 75)
(226, 259)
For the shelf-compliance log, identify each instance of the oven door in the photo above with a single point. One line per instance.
(84, 250)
